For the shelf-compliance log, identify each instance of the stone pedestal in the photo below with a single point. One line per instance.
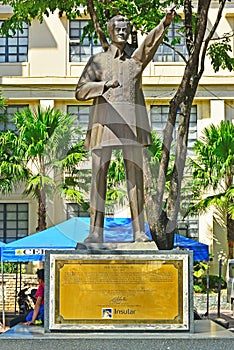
(121, 290)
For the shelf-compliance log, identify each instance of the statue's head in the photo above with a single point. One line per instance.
(118, 29)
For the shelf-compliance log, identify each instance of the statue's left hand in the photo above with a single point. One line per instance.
(169, 16)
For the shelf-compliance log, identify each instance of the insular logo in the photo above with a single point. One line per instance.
(107, 313)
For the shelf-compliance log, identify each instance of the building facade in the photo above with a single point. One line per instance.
(42, 64)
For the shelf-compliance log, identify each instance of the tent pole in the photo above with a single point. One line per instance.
(16, 284)
(3, 300)
(219, 286)
(208, 290)
(20, 275)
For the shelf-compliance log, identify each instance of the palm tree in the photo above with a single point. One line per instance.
(116, 182)
(2, 102)
(37, 152)
(213, 171)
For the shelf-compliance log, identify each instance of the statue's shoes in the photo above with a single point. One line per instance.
(141, 237)
(94, 238)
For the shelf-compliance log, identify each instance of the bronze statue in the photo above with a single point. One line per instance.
(118, 117)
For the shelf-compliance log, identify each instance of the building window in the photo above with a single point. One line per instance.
(75, 210)
(13, 221)
(189, 227)
(15, 48)
(159, 115)
(165, 53)
(7, 115)
(80, 49)
(81, 114)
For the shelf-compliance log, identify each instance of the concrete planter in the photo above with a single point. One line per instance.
(200, 301)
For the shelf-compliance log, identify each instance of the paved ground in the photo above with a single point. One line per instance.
(226, 319)
(8, 316)
(207, 335)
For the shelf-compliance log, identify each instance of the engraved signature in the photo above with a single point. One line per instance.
(118, 300)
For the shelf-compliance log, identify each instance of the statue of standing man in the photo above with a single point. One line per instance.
(118, 118)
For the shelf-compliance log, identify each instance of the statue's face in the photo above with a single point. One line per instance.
(120, 32)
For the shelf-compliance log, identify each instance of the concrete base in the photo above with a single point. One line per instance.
(208, 336)
(119, 246)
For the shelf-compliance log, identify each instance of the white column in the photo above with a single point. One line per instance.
(217, 111)
(46, 104)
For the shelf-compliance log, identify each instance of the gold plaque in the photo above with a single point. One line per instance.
(117, 290)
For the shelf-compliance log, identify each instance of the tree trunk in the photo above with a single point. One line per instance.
(41, 198)
(230, 236)
(156, 224)
(164, 222)
(41, 224)
(173, 202)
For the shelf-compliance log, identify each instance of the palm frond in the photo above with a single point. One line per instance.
(72, 194)
(38, 182)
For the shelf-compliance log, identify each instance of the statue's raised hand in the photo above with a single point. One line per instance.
(169, 16)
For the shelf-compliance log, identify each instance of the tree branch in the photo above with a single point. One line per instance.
(188, 26)
(202, 15)
(97, 27)
(186, 90)
(209, 37)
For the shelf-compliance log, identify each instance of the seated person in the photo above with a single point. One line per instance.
(37, 314)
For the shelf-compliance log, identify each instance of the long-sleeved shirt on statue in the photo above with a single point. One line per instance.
(118, 116)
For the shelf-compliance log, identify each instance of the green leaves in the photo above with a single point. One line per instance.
(219, 55)
(72, 194)
(143, 14)
(40, 146)
(199, 269)
(215, 155)
(13, 168)
(75, 155)
(213, 168)
(116, 186)
(25, 11)
(155, 150)
(2, 102)
(37, 182)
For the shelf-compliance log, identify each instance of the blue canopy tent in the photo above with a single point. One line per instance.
(1, 245)
(65, 236)
(200, 250)
(32, 248)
